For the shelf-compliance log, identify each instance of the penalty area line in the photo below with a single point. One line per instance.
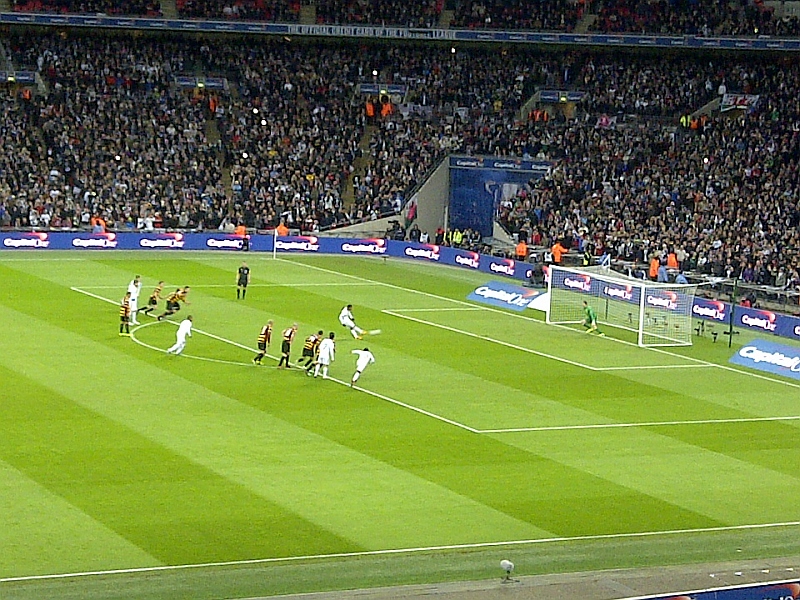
(250, 285)
(401, 551)
(645, 424)
(374, 394)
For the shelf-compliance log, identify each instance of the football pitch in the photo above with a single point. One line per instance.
(479, 434)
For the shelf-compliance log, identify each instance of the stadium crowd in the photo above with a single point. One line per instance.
(536, 15)
(115, 139)
(673, 17)
(418, 14)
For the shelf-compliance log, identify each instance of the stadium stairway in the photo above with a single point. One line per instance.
(708, 108)
(213, 137)
(359, 166)
(585, 23)
(169, 9)
(445, 18)
(308, 14)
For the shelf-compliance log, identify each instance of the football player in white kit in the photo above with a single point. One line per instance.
(347, 320)
(327, 351)
(184, 331)
(365, 358)
(134, 288)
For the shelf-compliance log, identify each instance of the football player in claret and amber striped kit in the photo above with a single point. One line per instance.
(125, 315)
(152, 301)
(174, 302)
(264, 339)
(286, 345)
(310, 346)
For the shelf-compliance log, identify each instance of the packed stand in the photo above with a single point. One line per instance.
(292, 136)
(139, 8)
(536, 15)
(694, 17)
(276, 11)
(722, 198)
(416, 14)
(114, 139)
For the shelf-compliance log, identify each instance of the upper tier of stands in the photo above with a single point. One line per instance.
(675, 17)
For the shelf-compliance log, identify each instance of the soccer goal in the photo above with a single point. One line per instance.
(660, 314)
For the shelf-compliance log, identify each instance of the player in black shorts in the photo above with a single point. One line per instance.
(174, 302)
(310, 348)
(286, 346)
(152, 301)
(242, 279)
(264, 338)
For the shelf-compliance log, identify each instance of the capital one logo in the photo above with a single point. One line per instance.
(164, 240)
(97, 240)
(371, 246)
(767, 321)
(225, 243)
(472, 260)
(28, 240)
(582, 283)
(667, 300)
(625, 293)
(300, 243)
(506, 267)
(428, 252)
(710, 310)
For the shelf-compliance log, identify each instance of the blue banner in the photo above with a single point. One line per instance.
(504, 295)
(767, 322)
(711, 310)
(176, 241)
(478, 184)
(770, 357)
(772, 591)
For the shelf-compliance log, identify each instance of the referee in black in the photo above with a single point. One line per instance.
(242, 279)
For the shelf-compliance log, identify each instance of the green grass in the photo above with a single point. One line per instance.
(467, 444)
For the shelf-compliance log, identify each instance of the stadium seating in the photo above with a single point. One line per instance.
(114, 137)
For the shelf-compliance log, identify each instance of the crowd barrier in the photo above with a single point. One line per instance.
(177, 241)
(752, 319)
(784, 590)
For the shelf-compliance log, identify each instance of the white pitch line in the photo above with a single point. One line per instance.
(405, 310)
(339, 381)
(646, 424)
(492, 340)
(539, 322)
(225, 285)
(183, 354)
(646, 367)
(398, 551)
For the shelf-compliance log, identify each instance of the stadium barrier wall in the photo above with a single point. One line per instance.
(177, 241)
(403, 33)
(753, 319)
(761, 321)
(782, 590)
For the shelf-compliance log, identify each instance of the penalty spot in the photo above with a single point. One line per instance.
(374, 331)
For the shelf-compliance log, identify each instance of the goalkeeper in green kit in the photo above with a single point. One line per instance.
(590, 322)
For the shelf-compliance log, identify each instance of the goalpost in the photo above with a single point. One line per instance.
(659, 313)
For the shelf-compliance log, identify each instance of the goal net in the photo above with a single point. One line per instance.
(659, 313)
